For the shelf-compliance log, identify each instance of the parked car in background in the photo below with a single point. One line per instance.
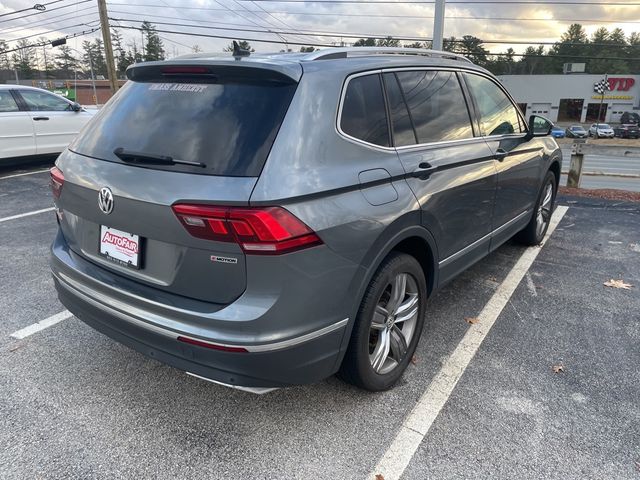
(629, 118)
(557, 132)
(627, 130)
(576, 131)
(34, 122)
(601, 130)
(288, 216)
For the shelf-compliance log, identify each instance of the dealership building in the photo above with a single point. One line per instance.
(573, 98)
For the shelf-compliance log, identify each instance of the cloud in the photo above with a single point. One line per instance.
(407, 20)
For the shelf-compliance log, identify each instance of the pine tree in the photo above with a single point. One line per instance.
(24, 59)
(5, 63)
(119, 52)
(65, 61)
(243, 44)
(154, 48)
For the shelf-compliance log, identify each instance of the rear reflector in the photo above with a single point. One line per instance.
(213, 346)
(56, 182)
(260, 231)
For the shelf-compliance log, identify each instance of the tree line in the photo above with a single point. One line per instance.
(605, 51)
(65, 62)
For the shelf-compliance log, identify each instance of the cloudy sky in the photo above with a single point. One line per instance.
(293, 20)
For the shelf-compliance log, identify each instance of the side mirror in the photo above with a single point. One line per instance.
(76, 107)
(539, 126)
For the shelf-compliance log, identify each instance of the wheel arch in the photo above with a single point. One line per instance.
(414, 240)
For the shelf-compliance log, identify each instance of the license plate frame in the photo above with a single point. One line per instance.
(120, 247)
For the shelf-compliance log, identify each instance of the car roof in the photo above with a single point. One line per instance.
(5, 86)
(338, 60)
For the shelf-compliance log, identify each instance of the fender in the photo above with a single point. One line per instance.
(409, 225)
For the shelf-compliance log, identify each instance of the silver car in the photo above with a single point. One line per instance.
(601, 130)
(270, 220)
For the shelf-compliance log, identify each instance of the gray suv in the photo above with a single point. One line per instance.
(270, 220)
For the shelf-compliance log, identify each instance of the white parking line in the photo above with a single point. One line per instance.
(23, 174)
(417, 424)
(41, 325)
(28, 214)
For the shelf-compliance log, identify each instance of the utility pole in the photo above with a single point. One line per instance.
(438, 25)
(108, 49)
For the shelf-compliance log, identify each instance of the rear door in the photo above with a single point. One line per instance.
(451, 171)
(54, 122)
(219, 127)
(17, 137)
(519, 159)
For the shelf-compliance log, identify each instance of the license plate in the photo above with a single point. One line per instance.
(120, 247)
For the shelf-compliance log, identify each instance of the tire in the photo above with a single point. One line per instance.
(537, 227)
(394, 332)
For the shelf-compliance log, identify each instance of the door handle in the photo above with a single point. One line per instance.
(500, 155)
(40, 118)
(424, 170)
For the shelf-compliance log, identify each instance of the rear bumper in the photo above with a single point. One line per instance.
(300, 359)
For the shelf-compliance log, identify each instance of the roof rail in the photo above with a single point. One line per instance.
(345, 52)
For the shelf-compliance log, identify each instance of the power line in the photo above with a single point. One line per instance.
(86, 24)
(42, 44)
(383, 15)
(41, 7)
(370, 35)
(46, 11)
(427, 2)
(49, 21)
(488, 54)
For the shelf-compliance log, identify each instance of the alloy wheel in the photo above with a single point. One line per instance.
(393, 323)
(544, 210)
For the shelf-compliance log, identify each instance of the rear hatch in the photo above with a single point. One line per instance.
(174, 137)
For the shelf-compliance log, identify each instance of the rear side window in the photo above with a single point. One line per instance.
(7, 103)
(229, 126)
(363, 111)
(498, 116)
(437, 105)
(403, 132)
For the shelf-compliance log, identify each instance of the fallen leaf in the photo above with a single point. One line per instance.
(379, 476)
(414, 360)
(618, 284)
(558, 369)
(471, 320)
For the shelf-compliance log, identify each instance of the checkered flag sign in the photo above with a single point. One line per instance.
(601, 86)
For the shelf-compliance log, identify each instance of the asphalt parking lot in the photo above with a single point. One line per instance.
(75, 404)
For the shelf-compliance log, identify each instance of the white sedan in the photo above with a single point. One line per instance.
(34, 121)
(600, 130)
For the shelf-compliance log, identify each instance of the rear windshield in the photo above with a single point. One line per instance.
(227, 126)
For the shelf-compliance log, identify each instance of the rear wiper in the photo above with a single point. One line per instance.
(137, 157)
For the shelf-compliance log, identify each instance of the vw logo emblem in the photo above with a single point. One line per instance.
(105, 200)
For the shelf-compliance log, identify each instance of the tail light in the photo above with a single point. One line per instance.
(213, 346)
(259, 231)
(57, 181)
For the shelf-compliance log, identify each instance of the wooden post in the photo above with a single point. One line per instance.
(577, 160)
(108, 49)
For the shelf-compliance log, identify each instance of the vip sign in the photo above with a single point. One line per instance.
(621, 84)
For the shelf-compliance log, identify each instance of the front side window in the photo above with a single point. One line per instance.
(363, 111)
(43, 101)
(7, 103)
(498, 116)
(437, 105)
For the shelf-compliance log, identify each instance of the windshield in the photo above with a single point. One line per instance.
(229, 126)
(577, 129)
(603, 125)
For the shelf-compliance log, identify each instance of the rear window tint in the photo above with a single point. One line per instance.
(228, 126)
(403, 133)
(363, 111)
(437, 105)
